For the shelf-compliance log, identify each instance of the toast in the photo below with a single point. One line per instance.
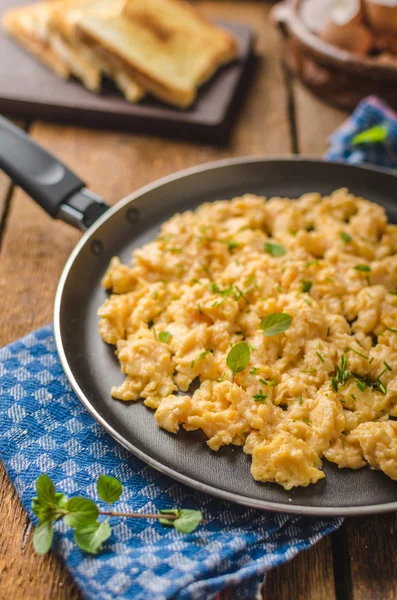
(166, 45)
(89, 62)
(29, 26)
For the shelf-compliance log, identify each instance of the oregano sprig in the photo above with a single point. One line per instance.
(81, 514)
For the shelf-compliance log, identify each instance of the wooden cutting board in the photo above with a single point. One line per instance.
(29, 89)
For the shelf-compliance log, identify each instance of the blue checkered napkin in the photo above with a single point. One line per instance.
(371, 111)
(45, 429)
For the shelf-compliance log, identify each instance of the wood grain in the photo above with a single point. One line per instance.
(308, 576)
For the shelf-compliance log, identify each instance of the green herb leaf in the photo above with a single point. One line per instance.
(363, 268)
(275, 323)
(346, 237)
(320, 357)
(231, 245)
(254, 370)
(307, 421)
(45, 490)
(392, 330)
(306, 285)
(165, 337)
(275, 249)
(42, 537)
(82, 512)
(373, 135)
(261, 397)
(61, 500)
(91, 538)
(188, 520)
(238, 357)
(300, 400)
(109, 488)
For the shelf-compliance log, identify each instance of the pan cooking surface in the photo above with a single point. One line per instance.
(93, 368)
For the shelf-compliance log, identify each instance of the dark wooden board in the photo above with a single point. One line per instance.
(29, 90)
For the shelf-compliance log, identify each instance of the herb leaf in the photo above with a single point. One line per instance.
(169, 511)
(306, 285)
(346, 237)
(91, 538)
(188, 520)
(261, 397)
(45, 490)
(275, 323)
(42, 537)
(363, 268)
(275, 249)
(109, 488)
(238, 358)
(164, 336)
(82, 512)
(377, 133)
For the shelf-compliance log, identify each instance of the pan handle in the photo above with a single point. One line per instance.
(52, 185)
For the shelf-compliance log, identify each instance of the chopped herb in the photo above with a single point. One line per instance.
(199, 309)
(231, 245)
(194, 281)
(165, 337)
(373, 135)
(372, 360)
(308, 421)
(307, 301)
(310, 263)
(310, 227)
(251, 281)
(192, 364)
(392, 330)
(363, 268)
(254, 371)
(306, 285)
(382, 388)
(261, 397)
(300, 400)
(328, 331)
(388, 367)
(353, 396)
(214, 288)
(275, 249)
(320, 357)
(239, 333)
(203, 354)
(361, 385)
(330, 279)
(155, 294)
(308, 371)
(346, 237)
(278, 288)
(263, 381)
(275, 323)
(367, 279)
(341, 374)
(240, 295)
(174, 250)
(222, 378)
(252, 348)
(356, 352)
(238, 358)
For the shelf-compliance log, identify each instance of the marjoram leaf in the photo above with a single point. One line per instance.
(82, 512)
(42, 537)
(275, 323)
(109, 488)
(238, 357)
(45, 490)
(188, 520)
(91, 538)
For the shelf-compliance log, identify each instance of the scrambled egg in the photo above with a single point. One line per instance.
(324, 387)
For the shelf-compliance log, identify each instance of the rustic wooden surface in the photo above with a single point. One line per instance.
(356, 563)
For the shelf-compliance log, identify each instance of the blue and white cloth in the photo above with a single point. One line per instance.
(370, 112)
(45, 429)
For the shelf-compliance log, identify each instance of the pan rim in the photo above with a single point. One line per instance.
(266, 505)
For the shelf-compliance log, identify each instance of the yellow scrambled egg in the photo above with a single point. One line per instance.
(324, 387)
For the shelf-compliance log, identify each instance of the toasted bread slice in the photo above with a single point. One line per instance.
(165, 44)
(63, 24)
(29, 26)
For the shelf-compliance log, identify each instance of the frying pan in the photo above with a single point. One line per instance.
(91, 365)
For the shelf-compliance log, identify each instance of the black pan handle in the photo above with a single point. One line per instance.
(52, 185)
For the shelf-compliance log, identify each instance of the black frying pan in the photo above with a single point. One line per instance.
(91, 365)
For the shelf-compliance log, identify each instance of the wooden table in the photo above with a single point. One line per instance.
(358, 562)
